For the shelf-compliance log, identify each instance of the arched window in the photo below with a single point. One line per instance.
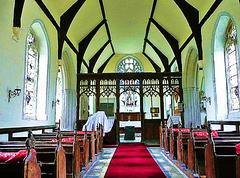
(59, 95)
(36, 74)
(226, 68)
(130, 99)
(128, 65)
(31, 76)
(232, 70)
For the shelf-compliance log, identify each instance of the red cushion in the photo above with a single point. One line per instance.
(185, 130)
(200, 134)
(13, 157)
(54, 140)
(70, 139)
(205, 134)
(238, 149)
(214, 133)
(5, 156)
(182, 130)
(83, 132)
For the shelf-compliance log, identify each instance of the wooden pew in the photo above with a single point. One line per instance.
(197, 151)
(87, 145)
(161, 135)
(11, 131)
(176, 142)
(191, 150)
(225, 123)
(183, 145)
(28, 168)
(75, 148)
(81, 140)
(221, 158)
(51, 155)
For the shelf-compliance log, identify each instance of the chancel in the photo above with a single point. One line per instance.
(119, 88)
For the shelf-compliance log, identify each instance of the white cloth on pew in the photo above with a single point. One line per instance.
(173, 120)
(99, 118)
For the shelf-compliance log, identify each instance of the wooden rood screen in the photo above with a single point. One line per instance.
(114, 84)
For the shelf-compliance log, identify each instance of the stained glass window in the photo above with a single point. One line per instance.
(129, 65)
(31, 77)
(231, 57)
(130, 99)
(36, 74)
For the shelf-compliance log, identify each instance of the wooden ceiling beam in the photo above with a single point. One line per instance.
(51, 18)
(101, 69)
(93, 60)
(65, 22)
(210, 11)
(172, 42)
(155, 66)
(192, 16)
(129, 76)
(162, 57)
(106, 24)
(84, 44)
(18, 9)
(204, 19)
(149, 23)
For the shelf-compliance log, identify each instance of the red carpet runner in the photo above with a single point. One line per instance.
(133, 160)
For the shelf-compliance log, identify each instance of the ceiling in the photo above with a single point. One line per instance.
(127, 29)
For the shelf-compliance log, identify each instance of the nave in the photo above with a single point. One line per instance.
(153, 63)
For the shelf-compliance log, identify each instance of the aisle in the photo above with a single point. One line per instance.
(133, 160)
(100, 167)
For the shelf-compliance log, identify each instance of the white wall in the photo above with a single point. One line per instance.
(12, 63)
(231, 7)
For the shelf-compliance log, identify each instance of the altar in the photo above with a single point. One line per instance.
(135, 124)
(130, 116)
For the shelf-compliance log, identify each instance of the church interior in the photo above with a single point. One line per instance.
(119, 88)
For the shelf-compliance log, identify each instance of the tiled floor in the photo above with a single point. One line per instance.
(100, 167)
(165, 164)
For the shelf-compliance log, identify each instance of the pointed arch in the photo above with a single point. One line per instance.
(225, 91)
(36, 73)
(138, 63)
(68, 91)
(191, 90)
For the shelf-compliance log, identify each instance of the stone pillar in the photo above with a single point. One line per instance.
(191, 107)
(69, 109)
